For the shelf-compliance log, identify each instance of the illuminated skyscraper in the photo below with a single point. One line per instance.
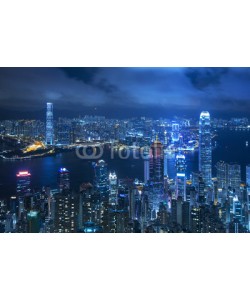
(205, 148)
(33, 221)
(23, 189)
(49, 125)
(23, 183)
(112, 188)
(248, 192)
(67, 206)
(146, 165)
(101, 177)
(234, 177)
(181, 176)
(101, 184)
(221, 168)
(165, 164)
(63, 179)
(156, 176)
(156, 163)
(63, 131)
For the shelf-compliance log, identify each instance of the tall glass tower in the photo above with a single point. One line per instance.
(23, 183)
(205, 148)
(63, 179)
(101, 177)
(181, 176)
(156, 163)
(248, 191)
(49, 125)
(112, 188)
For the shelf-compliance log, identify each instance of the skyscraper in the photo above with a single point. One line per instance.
(222, 176)
(63, 130)
(23, 183)
(49, 125)
(112, 188)
(234, 177)
(205, 148)
(146, 165)
(101, 184)
(63, 179)
(67, 205)
(156, 163)
(181, 176)
(101, 177)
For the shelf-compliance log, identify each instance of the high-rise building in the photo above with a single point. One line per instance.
(234, 177)
(101, 184)
(101, 177)
(63, 179)
(23, 183)
(181, 176)
(165, 164)
(205, 148)
(112, 188)
(248, 191)
(237, 209)
(146, 165)
(49, 125)
(63, 131)
(156, 176)
(33, 221)
(229, 175)
(156, 163)
(67, 207)
(221, 168)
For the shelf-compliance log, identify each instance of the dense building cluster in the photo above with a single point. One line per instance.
(158, 203)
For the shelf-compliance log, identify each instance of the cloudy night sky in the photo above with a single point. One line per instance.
(124, 92)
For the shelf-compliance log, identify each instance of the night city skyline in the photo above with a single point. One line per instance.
(124, 149)
(91, 161)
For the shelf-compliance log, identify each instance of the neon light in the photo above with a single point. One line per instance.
(180, 174)
(23, 173)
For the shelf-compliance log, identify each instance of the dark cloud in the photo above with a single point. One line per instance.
(125, 91)
(204, 77)
(86, 75)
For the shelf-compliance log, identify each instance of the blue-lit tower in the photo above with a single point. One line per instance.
(205, 148)
(101, 177)
(248, 193)
(49, 125)
(146, 164)
(180, 176)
